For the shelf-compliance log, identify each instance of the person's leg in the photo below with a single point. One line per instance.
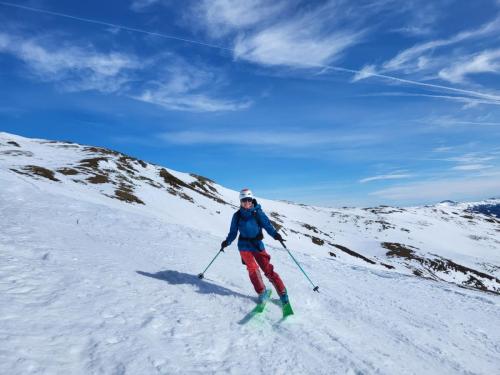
(263, 259)
(253, 271)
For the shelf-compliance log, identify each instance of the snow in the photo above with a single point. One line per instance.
(93, 285)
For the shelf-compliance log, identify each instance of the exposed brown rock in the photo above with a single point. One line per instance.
(440, 264)
(124, 193)
(41, 171)
(67, 171)
(101, 150)
(387, 266)
(317, 241)
(353, 253)
(310, 227)
(92, 163)
(399, 250)
(98, 179)
(177, 183)
(171, 180)
(17, 153)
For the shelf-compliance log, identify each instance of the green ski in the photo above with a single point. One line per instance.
(260, 306)
(257, 310)
(287, 310)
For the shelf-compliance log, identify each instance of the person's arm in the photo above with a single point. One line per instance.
(266, 224)
(233, 230)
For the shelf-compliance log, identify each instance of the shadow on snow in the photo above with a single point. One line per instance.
(204, 287)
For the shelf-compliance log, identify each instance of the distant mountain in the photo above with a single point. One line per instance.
(449, 202)
(488, 209)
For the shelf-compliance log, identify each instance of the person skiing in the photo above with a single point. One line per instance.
(249, 221)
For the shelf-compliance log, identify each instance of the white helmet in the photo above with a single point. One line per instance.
(246, 193)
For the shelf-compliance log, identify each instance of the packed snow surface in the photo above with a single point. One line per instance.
(94, 285)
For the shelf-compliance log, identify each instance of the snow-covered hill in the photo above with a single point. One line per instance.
(100, 253)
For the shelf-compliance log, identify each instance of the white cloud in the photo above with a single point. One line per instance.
(483, 62)
(73, 68)
(437, 190)
(183, 87)
(394, 176)
(427, 58)
(471, 167)
(447, 121)
(189, 102)
(366, 72)
(282, 32)
(289, 138)
(221, 17)
(305, 41)
(414, 30)
(420, 17)
(408, 58)
(473, 161)
(470, 158)
(442, 149)
(292, 45)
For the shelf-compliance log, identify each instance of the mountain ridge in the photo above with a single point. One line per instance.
(95, 170)
(94, 284)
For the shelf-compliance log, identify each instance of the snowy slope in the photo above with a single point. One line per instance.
(93, 284)
(449, 242)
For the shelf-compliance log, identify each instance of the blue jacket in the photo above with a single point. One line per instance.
(249, 227)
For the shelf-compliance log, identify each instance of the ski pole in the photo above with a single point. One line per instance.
(200, 276)
(315, 287)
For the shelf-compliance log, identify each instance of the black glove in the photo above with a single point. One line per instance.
(278, 237)
(224, 244)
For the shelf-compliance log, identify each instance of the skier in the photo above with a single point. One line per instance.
(249, 220)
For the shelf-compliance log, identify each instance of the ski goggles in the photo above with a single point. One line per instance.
(246, 200)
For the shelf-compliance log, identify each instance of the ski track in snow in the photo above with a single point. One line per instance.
(89, 288)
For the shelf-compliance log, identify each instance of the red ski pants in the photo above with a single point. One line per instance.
(253, 260)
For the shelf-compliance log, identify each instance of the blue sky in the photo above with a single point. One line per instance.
(339, 103)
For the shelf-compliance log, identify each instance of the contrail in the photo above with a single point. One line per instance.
(215, 46)
(121, 27)
(466, 99)
(417, 83)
